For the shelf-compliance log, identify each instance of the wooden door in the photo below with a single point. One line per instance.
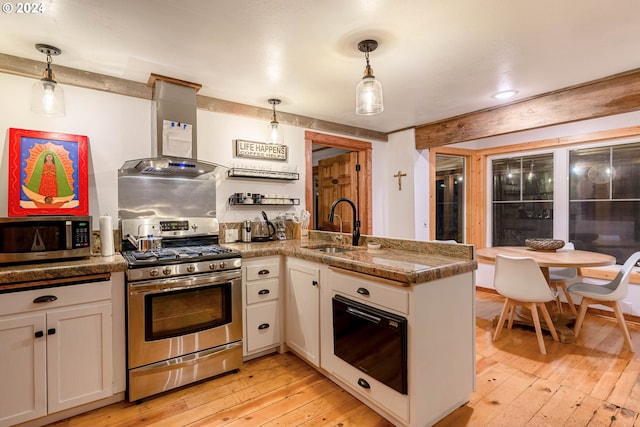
(337, 178)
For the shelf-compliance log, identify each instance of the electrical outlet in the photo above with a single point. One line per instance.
(231, 235)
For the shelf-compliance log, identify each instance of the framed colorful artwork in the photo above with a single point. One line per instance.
(48, 173)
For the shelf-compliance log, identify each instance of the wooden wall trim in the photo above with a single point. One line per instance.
(612, 95)
(70, 76)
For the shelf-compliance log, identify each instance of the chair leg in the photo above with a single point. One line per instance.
(622, 323)
(554, 285)
(572, 306)
(583, 310)
(503, 315)
(512, 313)
(547, 319)
(536, 322)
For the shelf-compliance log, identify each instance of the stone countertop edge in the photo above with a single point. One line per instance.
(30, 272)
(404, 261)
(408, 262)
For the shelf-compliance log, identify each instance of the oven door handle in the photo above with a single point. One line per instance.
(181, 283)
(363, 315)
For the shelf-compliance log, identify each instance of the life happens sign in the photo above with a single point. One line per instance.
(261, 150)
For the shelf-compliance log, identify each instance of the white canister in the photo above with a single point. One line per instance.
(106, 235)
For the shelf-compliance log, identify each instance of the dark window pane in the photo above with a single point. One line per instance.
(513, 223)
(522, 199)
(537, 177)
(608, 227)
(626, 171)
(590, 173)
(506, 179)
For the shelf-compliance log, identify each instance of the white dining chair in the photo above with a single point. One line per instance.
(558, 278)
(521, 281)
(608, 294)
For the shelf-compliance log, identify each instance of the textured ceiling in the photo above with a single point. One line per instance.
(436, 58)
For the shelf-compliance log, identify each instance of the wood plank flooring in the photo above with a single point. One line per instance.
(594, 382)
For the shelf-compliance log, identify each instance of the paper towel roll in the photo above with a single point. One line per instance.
(106, 235)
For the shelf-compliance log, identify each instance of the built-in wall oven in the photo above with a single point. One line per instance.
(372, 340)
(184, 308)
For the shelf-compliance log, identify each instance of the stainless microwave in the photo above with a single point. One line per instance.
(44, 238)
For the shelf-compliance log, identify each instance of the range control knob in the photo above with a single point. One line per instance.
(212, 266)
(153, 272)
(166, 271)
(191, 268)
(223, 264)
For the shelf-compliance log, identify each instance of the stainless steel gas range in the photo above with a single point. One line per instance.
(184, 304)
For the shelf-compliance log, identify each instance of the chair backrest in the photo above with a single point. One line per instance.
(520, 278)
(563, 273)
(620, 284)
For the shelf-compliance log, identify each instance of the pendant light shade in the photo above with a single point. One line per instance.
(47, 97)
(276, 135)
(369, 90)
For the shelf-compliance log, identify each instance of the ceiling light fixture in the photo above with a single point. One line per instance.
(368, 90)
(505, 94)
(47, 98)
(276, 135)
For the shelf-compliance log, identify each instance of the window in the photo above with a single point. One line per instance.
(604, 199)
(522, 201)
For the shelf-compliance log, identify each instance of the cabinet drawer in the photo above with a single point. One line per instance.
(61, 296)
(263, 290)
(263, 326)
(263, 271)
(370, 388)
(387, 296)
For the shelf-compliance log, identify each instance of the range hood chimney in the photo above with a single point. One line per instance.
(174, 117)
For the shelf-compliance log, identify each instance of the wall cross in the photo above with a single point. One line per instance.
(399, 175)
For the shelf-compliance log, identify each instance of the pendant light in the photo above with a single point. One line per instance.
(47, 98)
(276, 135)
(369, 90)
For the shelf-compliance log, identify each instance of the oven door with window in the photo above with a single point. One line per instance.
(174, 317)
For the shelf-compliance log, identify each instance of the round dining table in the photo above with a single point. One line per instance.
(546, 259)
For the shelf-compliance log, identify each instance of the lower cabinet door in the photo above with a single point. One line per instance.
(23, 366)
(79, 357)
(263, 326)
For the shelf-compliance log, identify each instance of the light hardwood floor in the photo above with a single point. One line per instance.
(594, 382)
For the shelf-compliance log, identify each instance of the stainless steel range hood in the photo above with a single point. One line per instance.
(174, 150)
(168, 167)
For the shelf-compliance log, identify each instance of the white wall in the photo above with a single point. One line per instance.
(119, 129)
(401, 206)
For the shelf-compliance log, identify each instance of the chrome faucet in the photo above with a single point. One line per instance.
(340, 222)
(355, 231)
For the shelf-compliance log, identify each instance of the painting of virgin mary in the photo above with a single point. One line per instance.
(51, 174)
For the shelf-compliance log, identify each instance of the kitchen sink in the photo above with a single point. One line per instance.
(332, 249)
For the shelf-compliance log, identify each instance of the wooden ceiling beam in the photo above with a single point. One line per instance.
(70, 76)
(612, 95)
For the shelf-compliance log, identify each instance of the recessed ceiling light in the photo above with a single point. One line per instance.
(504, 94)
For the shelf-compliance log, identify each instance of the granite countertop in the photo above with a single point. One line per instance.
(17, 276)
(405, 261)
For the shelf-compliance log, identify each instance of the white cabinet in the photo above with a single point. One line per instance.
(440, 343)
(303, 309)
(56, 350)
(261, 301)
